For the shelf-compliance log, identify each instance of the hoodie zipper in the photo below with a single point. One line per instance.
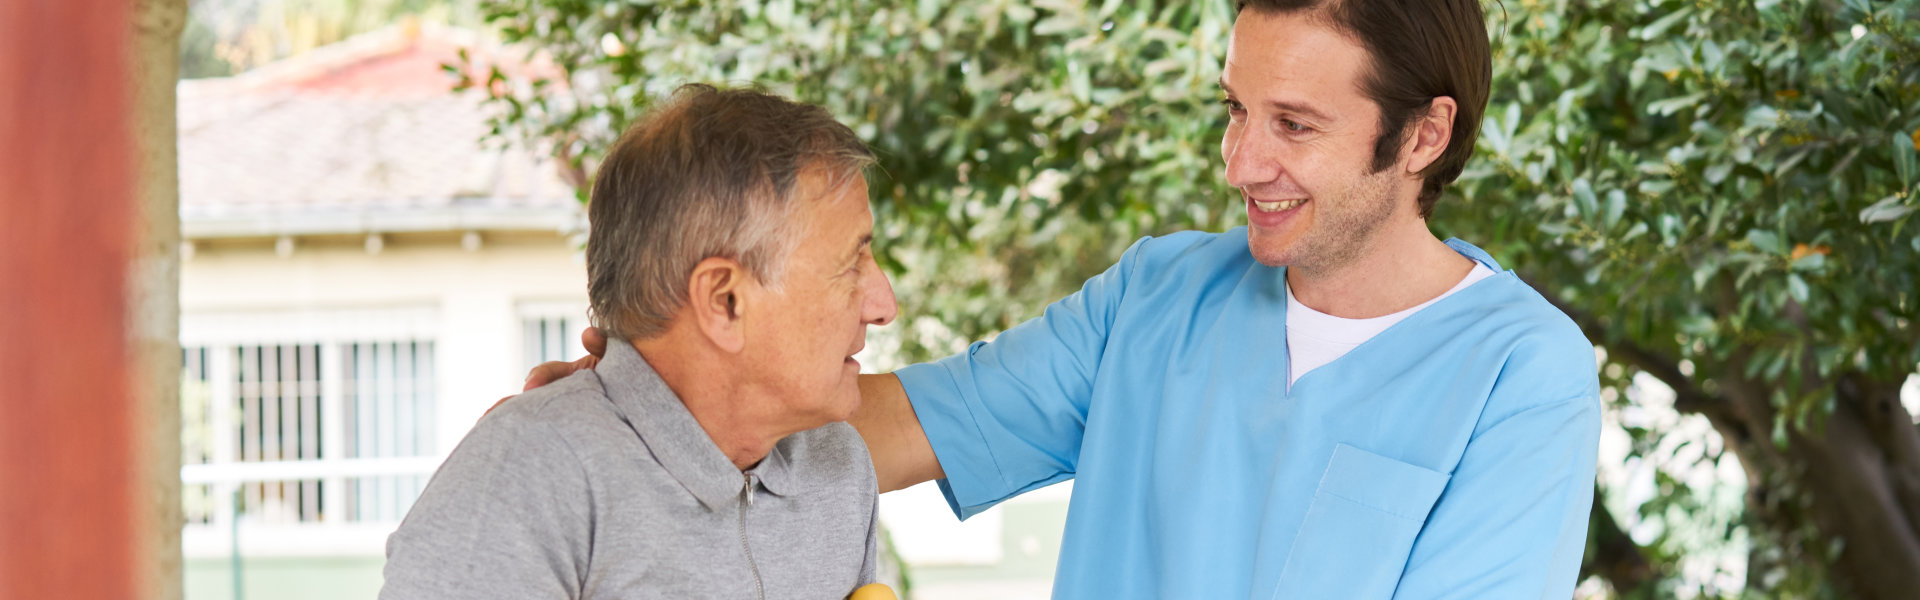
(746, 500)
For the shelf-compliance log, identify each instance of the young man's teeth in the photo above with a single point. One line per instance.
(1277, 205)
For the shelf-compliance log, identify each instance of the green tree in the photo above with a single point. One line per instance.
(1721, 193)
(1023, 144)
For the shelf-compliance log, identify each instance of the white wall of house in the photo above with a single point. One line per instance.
(478, 297)
(472, 304)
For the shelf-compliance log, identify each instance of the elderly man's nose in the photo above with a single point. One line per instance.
(879, 307)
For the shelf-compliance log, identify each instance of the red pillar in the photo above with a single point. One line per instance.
(67, 486)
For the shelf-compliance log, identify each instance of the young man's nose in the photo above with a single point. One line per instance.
(1253, 158)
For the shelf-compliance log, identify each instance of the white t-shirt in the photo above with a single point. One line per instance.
(1315, 338)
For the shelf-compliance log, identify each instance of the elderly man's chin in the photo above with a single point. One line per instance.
(840, 403)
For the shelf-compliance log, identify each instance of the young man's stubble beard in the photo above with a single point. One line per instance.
(1347, 222)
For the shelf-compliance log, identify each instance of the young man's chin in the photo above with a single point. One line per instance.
(1270, 248)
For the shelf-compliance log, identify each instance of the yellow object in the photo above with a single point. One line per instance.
(873, 591)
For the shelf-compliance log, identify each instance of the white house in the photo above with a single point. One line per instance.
(361, 280)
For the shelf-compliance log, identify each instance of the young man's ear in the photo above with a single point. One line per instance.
(714, 301)
(1430, 134)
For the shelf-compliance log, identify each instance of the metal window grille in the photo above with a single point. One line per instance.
(196, 432)
(306, 433)
(279, 406)
(551, 337)
(390, 405)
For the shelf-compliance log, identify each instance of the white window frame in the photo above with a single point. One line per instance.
(573, 311)
(332, 331)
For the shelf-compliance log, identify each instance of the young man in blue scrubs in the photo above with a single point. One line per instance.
(1328, 403)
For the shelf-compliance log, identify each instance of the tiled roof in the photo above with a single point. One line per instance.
(362, 136)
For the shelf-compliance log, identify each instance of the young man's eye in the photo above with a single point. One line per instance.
(1233, 106)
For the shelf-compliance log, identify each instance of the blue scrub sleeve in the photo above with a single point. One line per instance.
(1007, 416)
(1513, 521)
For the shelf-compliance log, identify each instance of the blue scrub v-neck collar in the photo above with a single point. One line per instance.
(1468, 250)
(1475, 253)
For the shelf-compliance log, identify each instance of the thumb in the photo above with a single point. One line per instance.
(594, 341)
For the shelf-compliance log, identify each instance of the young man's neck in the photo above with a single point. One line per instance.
(1403, 266)
(714, 398)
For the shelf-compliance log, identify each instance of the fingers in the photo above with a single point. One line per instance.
(549, 372)
(496, 405)
(585, 362)
(594, 341)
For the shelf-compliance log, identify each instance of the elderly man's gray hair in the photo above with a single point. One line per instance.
(708, 173)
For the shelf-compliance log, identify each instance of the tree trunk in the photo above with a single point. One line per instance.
(1851, 479)
(1857, 473)
(1614, 556)
(153, 288)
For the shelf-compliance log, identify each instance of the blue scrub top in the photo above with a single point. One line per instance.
(1451, 456)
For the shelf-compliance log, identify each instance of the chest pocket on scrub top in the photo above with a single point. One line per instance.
(1355, 539)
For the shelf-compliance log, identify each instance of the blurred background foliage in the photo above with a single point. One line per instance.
(1722, 193)
(1023, 144)
(226, 37)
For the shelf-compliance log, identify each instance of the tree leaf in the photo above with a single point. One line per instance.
(1616, 206)
(1584, 198)
(1889, 208)
(1766, 241)
(1812, 262)
(1903, 157)
(1669, 106)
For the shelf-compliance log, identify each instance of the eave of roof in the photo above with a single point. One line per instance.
(558, 219)
(364, 136)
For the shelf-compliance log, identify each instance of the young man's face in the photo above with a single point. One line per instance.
(1299, 145)
(803, 347)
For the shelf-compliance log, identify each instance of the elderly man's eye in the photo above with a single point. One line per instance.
(1293, 126)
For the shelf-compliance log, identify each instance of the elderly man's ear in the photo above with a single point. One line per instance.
(716, 302)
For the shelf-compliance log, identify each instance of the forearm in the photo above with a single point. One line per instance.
(902, 456)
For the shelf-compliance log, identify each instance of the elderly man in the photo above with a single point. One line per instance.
(707, 456)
